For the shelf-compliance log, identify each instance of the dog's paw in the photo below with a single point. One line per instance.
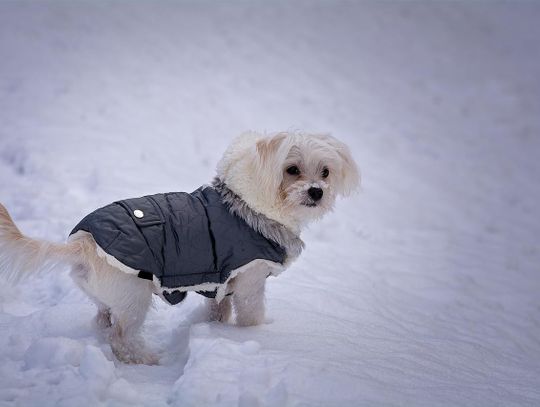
(249, 320)
(133, 351)
(146, 359)
(136, 358)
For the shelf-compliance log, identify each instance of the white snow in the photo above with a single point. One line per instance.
(423, 289)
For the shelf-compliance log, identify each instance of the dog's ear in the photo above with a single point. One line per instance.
(269, 156)
(349, 175)
(268, 147)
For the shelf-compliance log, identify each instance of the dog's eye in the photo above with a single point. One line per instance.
(325, 172)
(293, 170)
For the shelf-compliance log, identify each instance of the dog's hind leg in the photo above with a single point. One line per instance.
(127, 317)
(127, 299)
(103, 317)
(80, 274)
(123, 301)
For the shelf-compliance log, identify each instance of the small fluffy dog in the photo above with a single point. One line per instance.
(221, 241)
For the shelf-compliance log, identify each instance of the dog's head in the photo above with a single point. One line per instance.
(289, 177)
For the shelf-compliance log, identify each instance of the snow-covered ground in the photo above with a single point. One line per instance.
(421, 290)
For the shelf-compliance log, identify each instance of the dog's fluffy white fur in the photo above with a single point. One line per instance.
(286, 178)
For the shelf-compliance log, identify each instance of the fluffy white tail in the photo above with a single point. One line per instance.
(21, 256)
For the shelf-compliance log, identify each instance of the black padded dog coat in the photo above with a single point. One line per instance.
(184, 240)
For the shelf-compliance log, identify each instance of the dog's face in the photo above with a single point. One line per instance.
(290, 177)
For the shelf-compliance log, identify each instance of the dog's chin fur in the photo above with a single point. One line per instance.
(253, 179)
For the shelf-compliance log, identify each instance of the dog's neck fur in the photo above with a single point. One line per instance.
(269, 228)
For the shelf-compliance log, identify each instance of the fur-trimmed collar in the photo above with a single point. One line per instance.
(269, 228)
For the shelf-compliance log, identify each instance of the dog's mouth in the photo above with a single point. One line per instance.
(309, 204)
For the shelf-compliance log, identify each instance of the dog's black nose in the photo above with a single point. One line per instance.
(315, 193)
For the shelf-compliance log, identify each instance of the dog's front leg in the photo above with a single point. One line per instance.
(219, 311)
(248, 296)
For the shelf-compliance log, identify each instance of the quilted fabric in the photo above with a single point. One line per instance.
(183, 239)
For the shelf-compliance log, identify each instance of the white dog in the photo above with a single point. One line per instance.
(222, 240)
